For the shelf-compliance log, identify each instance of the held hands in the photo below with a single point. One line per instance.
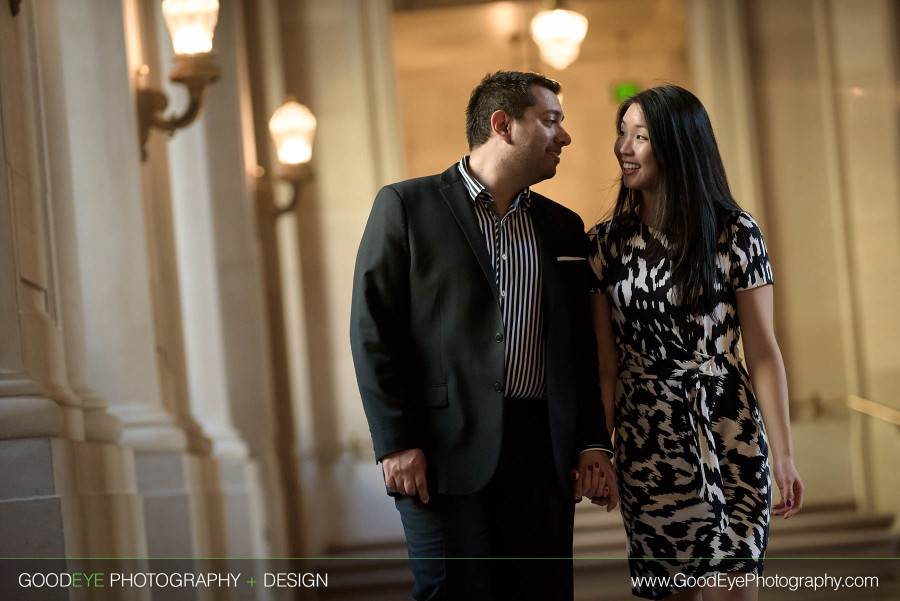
(404, 473)
(594, 478)
(789, 486)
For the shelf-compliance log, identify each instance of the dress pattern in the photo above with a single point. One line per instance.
(690, 447)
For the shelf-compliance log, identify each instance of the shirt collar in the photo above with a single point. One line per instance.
(477, 191)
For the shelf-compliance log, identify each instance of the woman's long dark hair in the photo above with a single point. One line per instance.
(692, 199)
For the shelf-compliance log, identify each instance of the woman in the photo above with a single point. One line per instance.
(683, 274)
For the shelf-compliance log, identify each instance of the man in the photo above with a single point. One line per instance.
(476, 360)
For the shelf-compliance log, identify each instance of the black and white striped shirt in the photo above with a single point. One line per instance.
(513, 248)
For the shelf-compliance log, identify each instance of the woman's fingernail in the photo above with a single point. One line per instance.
(597, 465)
(788, 502)
(590, 467)
(602, 474)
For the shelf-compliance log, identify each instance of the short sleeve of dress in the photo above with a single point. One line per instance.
(750, 266)
(599, 256)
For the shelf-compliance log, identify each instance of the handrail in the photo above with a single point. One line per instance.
(873, 409)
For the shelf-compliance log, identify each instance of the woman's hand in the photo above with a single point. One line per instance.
(593, 476)
(610, 495)
(789, 486)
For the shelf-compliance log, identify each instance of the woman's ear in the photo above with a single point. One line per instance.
(501, 124)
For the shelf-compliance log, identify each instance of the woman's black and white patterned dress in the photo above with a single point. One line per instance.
(690, 446)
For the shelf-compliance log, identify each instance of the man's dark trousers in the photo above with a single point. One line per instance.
(510, 541)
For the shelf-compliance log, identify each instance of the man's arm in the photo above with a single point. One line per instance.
(379, 325)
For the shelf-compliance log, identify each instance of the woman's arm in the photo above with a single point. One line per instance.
(608, 362)
(607, 356)
(755, 313)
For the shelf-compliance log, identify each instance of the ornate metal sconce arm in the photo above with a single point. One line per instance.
(295, 175)
(195, 72)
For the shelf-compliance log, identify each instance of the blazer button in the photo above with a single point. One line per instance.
(498, 337)
(498, 387)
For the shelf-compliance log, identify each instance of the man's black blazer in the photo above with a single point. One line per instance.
(427, 334)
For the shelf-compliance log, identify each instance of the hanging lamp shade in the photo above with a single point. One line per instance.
(559, 33)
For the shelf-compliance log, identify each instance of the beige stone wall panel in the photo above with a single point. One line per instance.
(801, 197)
(863, 47)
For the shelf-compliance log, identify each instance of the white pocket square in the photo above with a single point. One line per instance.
(571, 259)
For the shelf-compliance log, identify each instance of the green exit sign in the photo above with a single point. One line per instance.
(625, 89)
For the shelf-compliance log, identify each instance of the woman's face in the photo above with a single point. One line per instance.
(635, 154)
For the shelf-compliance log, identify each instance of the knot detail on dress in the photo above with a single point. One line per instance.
(698, 375)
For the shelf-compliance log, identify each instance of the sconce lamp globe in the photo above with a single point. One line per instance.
(293, 127)
(191, 24)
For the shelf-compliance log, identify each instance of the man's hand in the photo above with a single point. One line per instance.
(404, 473)
(594, 478)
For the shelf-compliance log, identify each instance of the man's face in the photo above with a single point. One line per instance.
(538, 138)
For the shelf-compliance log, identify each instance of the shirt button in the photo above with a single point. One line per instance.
(498, 337)
(503, 256)
(503, 294)
(498, 387)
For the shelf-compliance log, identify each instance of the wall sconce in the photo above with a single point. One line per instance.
(191, 24)
(293, 127)
(558, 33)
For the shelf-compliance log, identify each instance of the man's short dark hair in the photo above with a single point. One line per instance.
(508, 91)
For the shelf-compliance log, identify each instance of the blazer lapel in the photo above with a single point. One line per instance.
(460, 203)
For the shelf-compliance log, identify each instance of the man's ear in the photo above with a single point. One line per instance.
(501, 124)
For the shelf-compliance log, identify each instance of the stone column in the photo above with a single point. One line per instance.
(337, 60)
(183, 505)
(274, 443)
(206, 322)
(100, 425)
(211, 169)
(801, 184)
(862, 44)
(61, 496)
(105, 180)
(720, 72)
(860, 49)
(35, 397)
